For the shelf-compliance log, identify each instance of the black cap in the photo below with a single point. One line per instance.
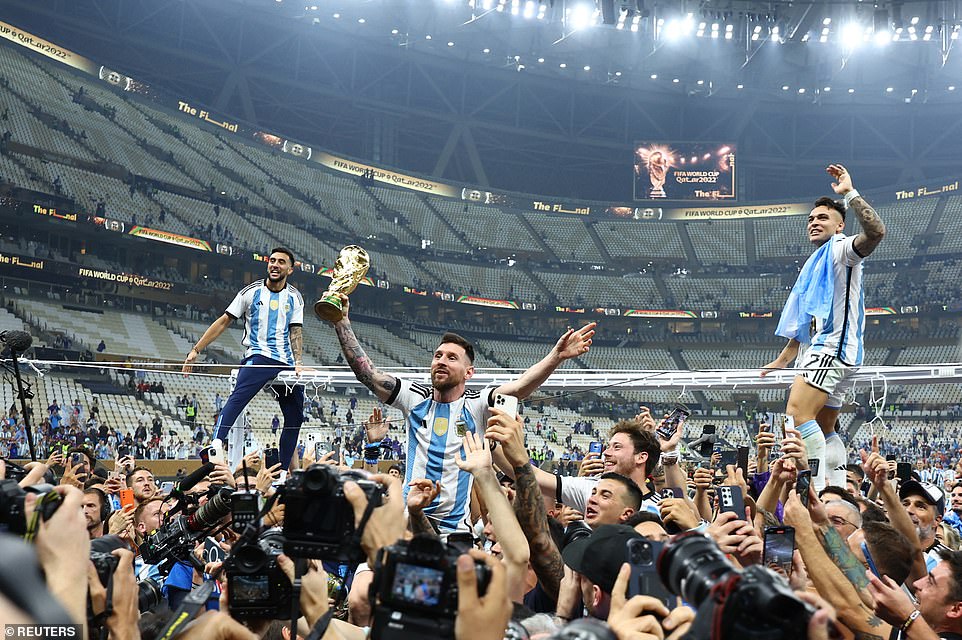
(599, 556)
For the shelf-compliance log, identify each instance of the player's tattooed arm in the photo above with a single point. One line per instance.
(297, 343)
(529, 508)
(420, 524)
(873, 229)
(838, 550)
(382, 384)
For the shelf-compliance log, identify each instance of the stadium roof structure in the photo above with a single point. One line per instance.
(460, 90)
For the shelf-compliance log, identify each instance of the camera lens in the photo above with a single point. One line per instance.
(250, 559)
(149, 595)
(641, 553)
(691, 565)
(320, 478)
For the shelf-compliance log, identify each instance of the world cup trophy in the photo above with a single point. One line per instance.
(351, 265)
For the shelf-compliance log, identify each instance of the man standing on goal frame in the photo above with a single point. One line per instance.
(273, 313)
(826, 312)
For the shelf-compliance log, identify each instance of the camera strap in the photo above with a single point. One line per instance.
(320, 627)
(355, 539)
(192, 603)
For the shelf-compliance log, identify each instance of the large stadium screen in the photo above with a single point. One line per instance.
(684, 171)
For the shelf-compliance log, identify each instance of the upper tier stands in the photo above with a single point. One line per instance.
(115, 132)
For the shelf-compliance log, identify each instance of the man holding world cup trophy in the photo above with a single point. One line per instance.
(437, 416)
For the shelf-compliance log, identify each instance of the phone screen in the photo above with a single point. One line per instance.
(802, 483)
(594, 447)
(779, 547)
(674, 420)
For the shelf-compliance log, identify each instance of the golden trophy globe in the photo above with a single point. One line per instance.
(351, 265)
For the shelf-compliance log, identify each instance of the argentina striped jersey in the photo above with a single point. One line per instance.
(434, 433)
(841, 334)
(268, 316)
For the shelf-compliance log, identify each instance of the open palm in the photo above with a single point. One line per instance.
(477, 456)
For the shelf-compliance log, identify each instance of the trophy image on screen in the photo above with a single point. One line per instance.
(351, 265)
(657, 173)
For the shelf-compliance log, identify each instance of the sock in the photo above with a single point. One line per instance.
(814, 441)
(835, 459)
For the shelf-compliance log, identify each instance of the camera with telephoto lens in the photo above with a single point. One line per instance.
(13, 515)
(416, 589)
(753, 604)
(149, 593)
(318, 519)
(257, 586)
(174, 541)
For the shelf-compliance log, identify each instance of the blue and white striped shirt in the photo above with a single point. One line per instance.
(268, 317)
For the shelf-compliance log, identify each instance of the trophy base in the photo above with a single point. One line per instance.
(329, 308)
(657, 192)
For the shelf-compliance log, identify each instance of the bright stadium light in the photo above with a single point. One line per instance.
(581, 15)
(851, 35)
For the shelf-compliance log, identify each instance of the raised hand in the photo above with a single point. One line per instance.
(843, 181)
(591, 465)
(376, 426)
(477, 456)
(421, 493)
(575, 343)
(506, 430)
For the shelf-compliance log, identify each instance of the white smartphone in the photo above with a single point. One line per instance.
(166, 488)
(215, 453)
(508, 404)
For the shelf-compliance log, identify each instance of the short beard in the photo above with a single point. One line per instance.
(443, 386)
(925, 532)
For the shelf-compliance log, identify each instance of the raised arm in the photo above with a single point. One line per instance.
(829, 580)
(529, 501)
(213, 332)
(382, 384)
(571, 344)
(514, 547)
(873, 229)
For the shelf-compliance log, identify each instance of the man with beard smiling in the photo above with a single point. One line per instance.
(925, 504)
(438, 416)
(273, 311)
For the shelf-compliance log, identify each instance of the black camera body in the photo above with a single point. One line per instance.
(754, 604)
(416, 590)
(174, 541)
(13, 516)
(257, 586)
(170, 541)
(318, 519)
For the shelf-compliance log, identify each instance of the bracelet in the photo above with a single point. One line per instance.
(851, 195)
(908, 621)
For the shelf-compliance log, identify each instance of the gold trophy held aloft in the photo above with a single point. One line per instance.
(351, 265)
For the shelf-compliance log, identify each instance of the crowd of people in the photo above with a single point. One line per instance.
(878, 557)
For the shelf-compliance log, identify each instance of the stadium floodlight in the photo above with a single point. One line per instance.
(851, 35)
(581, 15)
(882, 38)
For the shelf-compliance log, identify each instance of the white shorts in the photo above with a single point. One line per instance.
(825, 372)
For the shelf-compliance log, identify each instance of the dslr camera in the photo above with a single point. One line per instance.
(13, 516)
(318, 519)
(149, 593)
(257, 586)
(754, 604)
(416, 589)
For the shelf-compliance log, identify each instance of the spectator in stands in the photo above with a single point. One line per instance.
(831, 277)
(447, 403)
(101, 347)
(274, 314)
